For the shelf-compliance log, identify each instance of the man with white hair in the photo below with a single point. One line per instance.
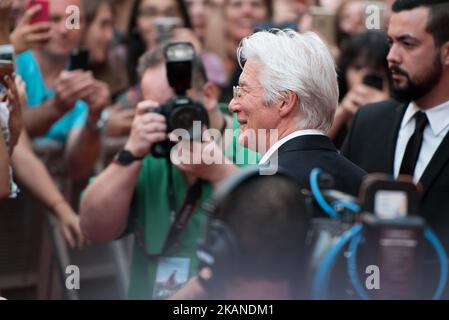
(289, 85)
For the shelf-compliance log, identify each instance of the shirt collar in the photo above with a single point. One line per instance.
(280, 142)
(438, 116)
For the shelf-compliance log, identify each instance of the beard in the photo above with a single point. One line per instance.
(416, 89)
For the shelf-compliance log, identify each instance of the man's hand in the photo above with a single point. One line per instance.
(147, 129)
(72, 86)
(30, 36)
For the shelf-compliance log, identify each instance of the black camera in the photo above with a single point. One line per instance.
(181, 111)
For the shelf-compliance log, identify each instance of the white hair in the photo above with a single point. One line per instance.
(300, 63)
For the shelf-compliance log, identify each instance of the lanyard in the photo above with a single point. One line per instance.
(179, 220)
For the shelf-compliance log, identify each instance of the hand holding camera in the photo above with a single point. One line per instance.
(181, 111)
(147, 129)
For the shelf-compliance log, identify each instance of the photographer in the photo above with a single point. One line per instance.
(140, 193)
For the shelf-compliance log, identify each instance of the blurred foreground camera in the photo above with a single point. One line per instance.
(378, 238)
(181, 112)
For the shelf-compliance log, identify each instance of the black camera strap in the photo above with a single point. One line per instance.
(184, 215)
(179, 220)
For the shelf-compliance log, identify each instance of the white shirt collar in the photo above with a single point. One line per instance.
(279, 143)
(438, 116)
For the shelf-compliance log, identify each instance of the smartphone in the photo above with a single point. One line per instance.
(79, 59)
(374, 80)
(41, 16)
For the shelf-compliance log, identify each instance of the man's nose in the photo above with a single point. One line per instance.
(233, 106)
(393, 56)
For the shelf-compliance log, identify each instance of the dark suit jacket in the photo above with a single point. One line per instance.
(300, 155)
(371, 144)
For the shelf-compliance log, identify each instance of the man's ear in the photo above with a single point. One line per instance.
(288, 103)
(445, 54)
(210, 93)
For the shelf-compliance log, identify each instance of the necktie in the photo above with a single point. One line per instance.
(414, 145)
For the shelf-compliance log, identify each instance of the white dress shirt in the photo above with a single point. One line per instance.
(433, 135)
(279, 143)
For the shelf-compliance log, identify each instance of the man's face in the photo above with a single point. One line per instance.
(63, 40)
(155, 85)
(413, 59)
(249, 106)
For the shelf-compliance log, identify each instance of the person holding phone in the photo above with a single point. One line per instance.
(64, 105)
(17, 152)
(31, 172)
(363, 79)
(31, 32)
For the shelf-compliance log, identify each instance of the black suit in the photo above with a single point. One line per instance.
(371, 144)
(300, 155)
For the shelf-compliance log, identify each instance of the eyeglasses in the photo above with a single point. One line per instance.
(239, 92)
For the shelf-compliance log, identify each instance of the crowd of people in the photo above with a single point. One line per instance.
(351, 102)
